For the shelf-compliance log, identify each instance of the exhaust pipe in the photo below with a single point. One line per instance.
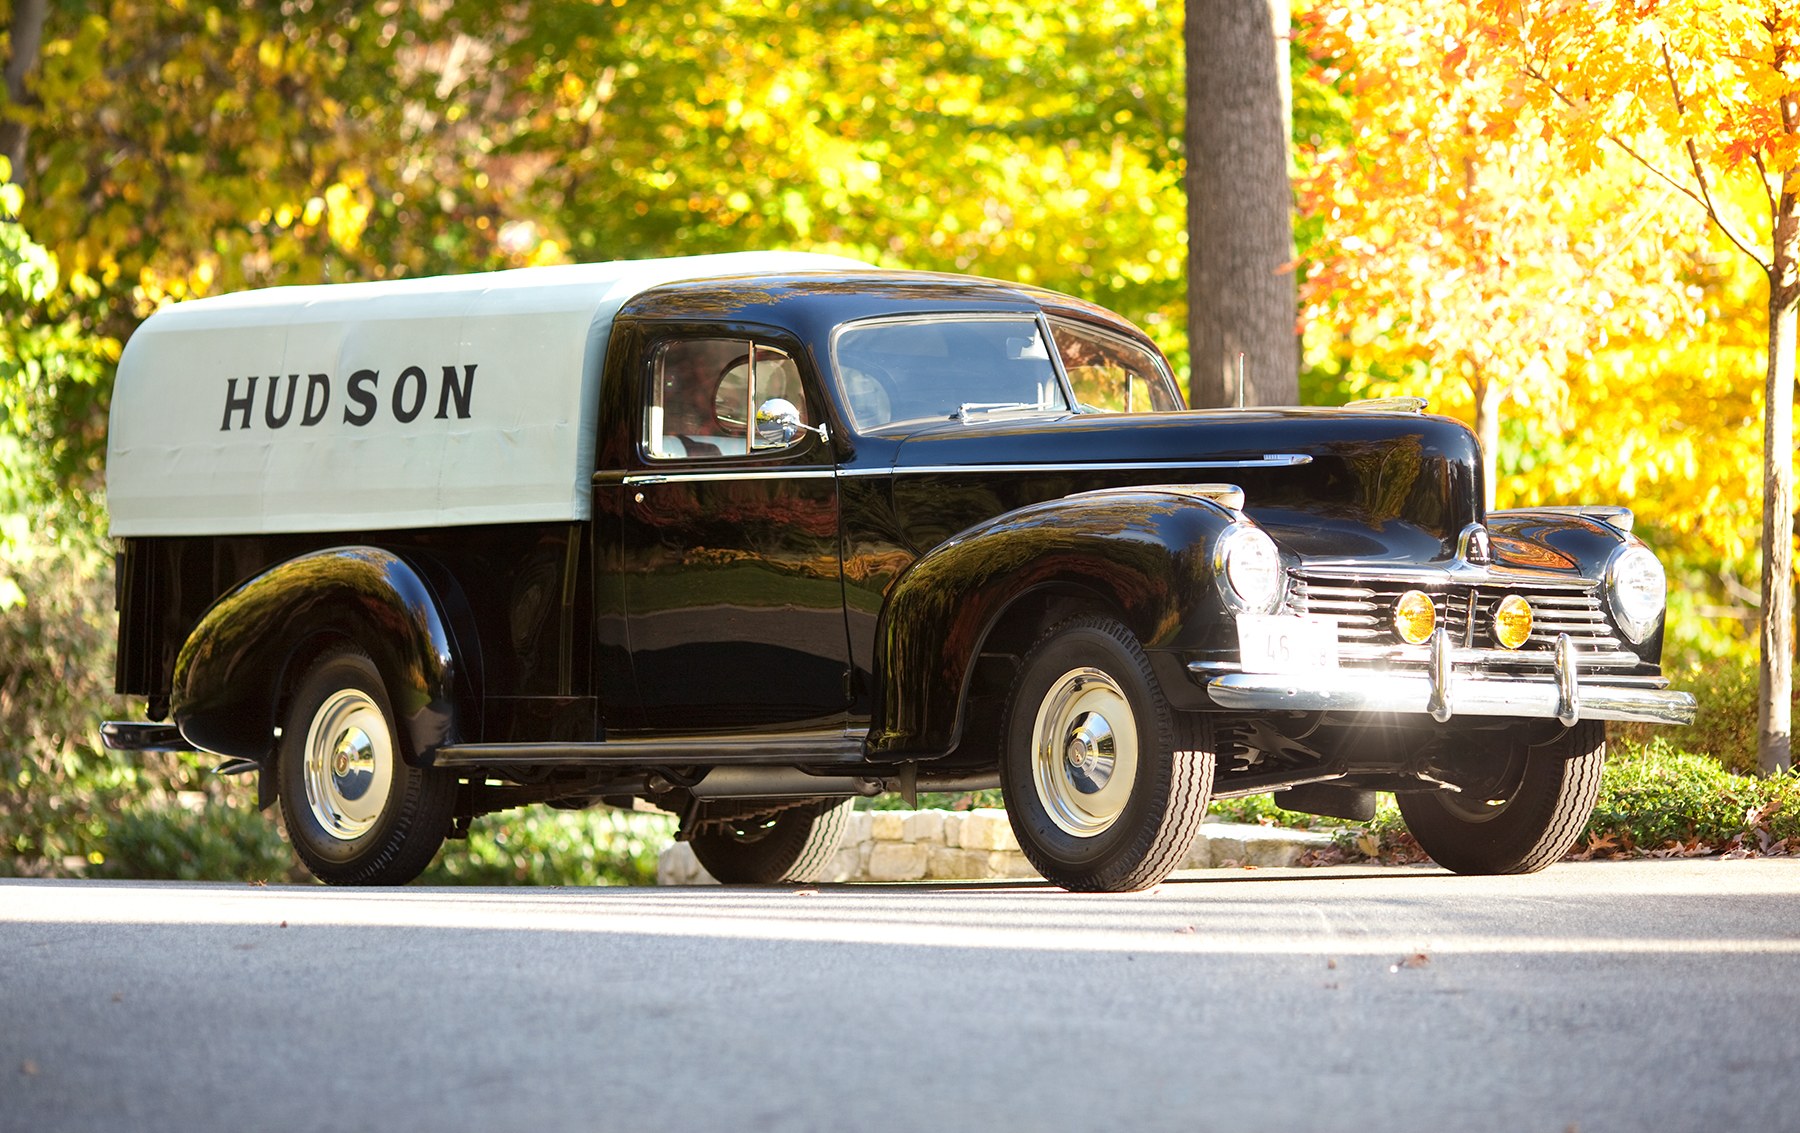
(780, 783)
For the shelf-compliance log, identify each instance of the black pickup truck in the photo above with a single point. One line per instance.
(744, 538)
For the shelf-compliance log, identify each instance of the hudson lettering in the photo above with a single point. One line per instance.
(235, 404)
(361, 397)
(363, 394)
(407, 405)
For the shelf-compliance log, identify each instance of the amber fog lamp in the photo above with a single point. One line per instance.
(1415, 617)
(1512, 621)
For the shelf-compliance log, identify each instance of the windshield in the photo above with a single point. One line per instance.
(946, 369)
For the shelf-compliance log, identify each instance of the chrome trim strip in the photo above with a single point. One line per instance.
(845, 746)
(1352, 651)
(1203, 671)
(1453, 573)
(1228, 496)
(1279, 460)
(1613, 515)
(1410, 694)
(635, 478)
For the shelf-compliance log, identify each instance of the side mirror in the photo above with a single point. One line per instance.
(778, 423)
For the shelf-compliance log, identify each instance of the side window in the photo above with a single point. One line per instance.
(1111, 373)
(704, 391)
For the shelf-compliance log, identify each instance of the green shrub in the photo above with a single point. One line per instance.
(194, 838)
(1260, 810)
(934, 800)
(539, 846)
(1656, 796)
(217, 840)
(1724, 726)
(58, 787)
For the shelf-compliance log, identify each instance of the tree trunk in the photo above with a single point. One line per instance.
(1241, 294)
(1488, 396)
(1775, 679)
(27, 32)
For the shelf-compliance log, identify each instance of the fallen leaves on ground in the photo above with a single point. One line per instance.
(1399, 848)
(1394, 848)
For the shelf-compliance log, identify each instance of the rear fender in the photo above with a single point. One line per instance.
(236, 666)
(1144, 554)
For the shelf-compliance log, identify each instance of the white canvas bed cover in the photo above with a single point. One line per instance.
(430, 402)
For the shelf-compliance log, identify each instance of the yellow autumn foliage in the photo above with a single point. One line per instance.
(1469, 252)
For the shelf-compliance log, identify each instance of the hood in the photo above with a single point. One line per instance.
(1325, 483)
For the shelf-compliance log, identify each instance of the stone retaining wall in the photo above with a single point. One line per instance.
(943, 845)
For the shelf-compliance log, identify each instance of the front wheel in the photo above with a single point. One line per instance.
(793, 845)
(356, 812)
(1523, 815)
(1103, 791)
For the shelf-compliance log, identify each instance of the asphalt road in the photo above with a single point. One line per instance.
(1657, 996)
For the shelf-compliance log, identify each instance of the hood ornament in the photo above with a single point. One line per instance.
(1473, 546)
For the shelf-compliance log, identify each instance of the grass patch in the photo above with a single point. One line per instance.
(215, 839)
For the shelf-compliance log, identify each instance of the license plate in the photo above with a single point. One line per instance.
(1286, 643)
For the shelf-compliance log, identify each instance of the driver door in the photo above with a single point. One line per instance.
(734, 599)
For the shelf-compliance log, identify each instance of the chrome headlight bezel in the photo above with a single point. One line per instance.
(1636, 591)
(1247, 564)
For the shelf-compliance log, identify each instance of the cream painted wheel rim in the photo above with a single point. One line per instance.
(1084, 752)
(349, 765)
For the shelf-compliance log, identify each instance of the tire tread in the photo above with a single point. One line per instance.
(1556, 801)
(1180, 798)
(424, 798)
(798, 850)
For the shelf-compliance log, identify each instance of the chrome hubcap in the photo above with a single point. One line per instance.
(349, 765)
(1084, 752)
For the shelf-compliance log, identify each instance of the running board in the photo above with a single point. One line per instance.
(837, 748)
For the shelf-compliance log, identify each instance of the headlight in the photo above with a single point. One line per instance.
(1636, 589)
(1249, 566)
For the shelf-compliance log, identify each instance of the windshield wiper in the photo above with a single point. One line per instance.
(970, 408)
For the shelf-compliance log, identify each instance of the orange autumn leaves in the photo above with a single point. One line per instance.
(1484, 243)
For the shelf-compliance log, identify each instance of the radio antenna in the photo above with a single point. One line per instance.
(1240, 377)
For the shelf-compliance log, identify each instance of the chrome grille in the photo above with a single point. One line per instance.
(1364, 611)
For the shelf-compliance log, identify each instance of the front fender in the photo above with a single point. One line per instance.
(1564, 541)
(1143, 552)
(232, 671)
(1577, 542)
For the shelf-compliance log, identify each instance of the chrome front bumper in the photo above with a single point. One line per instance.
(1443, 692)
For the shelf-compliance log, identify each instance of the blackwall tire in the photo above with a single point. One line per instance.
(1532, 823)
(1105, 786)
(793, 845)
(356, 812)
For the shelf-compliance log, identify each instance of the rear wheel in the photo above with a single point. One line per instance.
(1523, 815)
(1102, 790)
(356, 812)
(793, 845)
